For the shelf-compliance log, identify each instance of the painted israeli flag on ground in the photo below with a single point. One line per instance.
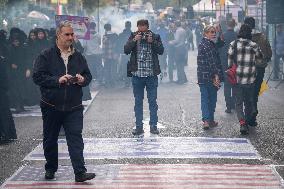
(160, 147)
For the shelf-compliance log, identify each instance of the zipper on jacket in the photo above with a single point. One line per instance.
(65, 94)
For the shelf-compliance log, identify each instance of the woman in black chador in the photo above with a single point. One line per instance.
(17, 58)
(32, 96)
(7, 126)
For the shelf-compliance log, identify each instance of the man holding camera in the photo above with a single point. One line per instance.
(144, 47)
(61, 72)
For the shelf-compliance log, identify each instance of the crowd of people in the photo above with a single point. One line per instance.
(108, 62)
(247, 51)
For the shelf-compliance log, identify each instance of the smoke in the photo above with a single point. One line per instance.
(16, 16)
(117, 18)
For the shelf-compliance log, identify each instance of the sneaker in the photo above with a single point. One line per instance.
(138, 131)
(49, 175)
(213, 123)
(154, 130)
(205, 125)
(228, 111)
(84, 176)
(244, 129)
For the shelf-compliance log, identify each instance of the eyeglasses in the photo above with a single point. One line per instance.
(212, 31)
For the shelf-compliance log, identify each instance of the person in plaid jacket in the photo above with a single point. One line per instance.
(144, 46)
(209, 73)
(248, 57)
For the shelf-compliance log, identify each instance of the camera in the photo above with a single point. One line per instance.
(72, 80)
(145, 36)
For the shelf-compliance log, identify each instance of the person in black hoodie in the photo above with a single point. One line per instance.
(7, 125)
(260, 39)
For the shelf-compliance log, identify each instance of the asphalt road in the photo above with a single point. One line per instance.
(111, 116)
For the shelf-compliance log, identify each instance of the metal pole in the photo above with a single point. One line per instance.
(98, 16)
(274, 50)
(225, 9)
(262, 6)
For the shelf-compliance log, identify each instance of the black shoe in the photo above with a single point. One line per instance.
(84, 176)
(252, 124)
(154, 130)
(244, 129)
(49, 175)
(228, 111)
(138, 131)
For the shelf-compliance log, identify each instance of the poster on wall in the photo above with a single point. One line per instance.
(81, 25)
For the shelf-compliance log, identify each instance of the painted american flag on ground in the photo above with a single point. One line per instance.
(150, 176)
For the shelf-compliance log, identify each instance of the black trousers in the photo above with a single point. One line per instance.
(72, 122)
(258, 81)
(7, 125)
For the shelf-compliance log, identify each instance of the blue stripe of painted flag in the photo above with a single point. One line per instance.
(160, 140)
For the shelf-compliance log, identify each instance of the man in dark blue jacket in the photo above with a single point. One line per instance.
(144, 47)
(229, 36)
(61, 72)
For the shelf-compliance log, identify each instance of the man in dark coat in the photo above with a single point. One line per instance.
(61, 72)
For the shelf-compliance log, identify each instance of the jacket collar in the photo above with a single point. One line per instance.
(58, 51)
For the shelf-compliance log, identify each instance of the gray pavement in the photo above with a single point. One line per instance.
(111, 116)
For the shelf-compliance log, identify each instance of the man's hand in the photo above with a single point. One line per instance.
(14, 66)
(216, 81)
(150, 39)
(28, 73)
(137, 37)
(65, 78)
(81, 79)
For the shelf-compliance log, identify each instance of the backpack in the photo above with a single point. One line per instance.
(265, 47)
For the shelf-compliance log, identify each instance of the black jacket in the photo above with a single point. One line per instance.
(3, 76)
(48, 68)
(131, 47)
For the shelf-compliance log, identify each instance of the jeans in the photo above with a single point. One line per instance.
(151, 84)
(208, 101)
(245, 97)
(72, 122)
